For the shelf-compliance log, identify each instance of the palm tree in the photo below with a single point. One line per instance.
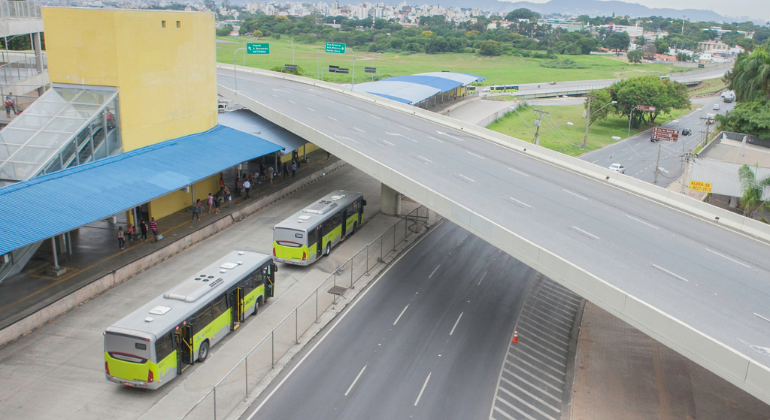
(750, 77)
(751, 200)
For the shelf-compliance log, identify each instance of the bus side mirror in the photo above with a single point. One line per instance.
(363, 202)
(275, 268)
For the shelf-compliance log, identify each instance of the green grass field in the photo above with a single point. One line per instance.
(556, 135)
(497, 70)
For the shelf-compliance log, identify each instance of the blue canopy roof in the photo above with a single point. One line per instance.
(65, 200)
(417, 87)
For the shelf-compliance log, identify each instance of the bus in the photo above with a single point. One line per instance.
(157, 342)
(504, 88)
(302, 238)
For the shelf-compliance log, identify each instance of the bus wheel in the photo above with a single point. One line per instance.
(256, 307)
(328, 249)
(203, 351)
(352, 231)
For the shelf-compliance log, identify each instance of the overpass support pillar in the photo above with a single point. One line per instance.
(390, 201)
(38, 58)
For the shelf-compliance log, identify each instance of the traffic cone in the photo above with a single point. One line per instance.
(515, 338)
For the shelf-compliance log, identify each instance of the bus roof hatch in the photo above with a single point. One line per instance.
(190, 292)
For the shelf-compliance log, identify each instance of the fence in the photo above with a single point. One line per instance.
(236, 385)
(19, 9)
(750, 139)
(497, 115)
(22, 69)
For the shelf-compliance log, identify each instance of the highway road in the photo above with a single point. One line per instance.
(706, 276)
(638, 154)
(426, 341)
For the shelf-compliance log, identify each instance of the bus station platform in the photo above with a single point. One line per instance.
(95, 251)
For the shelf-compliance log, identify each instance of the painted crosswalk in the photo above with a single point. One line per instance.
(534, 374)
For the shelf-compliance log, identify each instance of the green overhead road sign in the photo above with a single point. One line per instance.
(335, 48)
(258, 48)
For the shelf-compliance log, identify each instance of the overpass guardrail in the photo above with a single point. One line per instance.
(22, 69)
(242, 380)
(19, 10)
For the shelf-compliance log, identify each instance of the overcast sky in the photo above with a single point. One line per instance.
(753, 8)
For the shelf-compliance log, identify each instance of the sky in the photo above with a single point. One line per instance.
(753, 8)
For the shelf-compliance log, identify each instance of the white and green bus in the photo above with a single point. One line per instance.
(157, 342)
(305, 236)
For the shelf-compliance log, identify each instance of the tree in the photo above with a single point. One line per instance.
(751, 198)
(748, 118)
(427, 34)
(662, 47)
(225, 31)
(618, 41)
(665, 95)
(586, 45)
(490, 48)
(522, 14)
(683, 57)
(635, 56)
(649, 51)
(732, 38)
(750, 76)
(600, 109)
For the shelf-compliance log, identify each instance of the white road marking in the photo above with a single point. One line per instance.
(434, 271)
(273, 95)
(595, 161)
(520, 202)
(423, 389)
(359, 130)
(375, 117)
(760, 316)
(332, 118)
(406, 128)
(482, 278)
(532, 407)
(530, 394)
(576, 195)
(473, 154)
(582, 231)
(280, 90)
(424, 159)
(449, 135)
(466, 177)
(400, 135)
(456, 322)
(356, 380)
(399, 315)
(354, 109)
(385, 141)
(727, 258)
(662, 168)
(292, 102)
(433, 138)
(346, 138)
(642, 222)
(311, 109)
(669, 273)
(518, 172)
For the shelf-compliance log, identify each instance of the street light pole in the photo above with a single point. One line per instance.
(353, 80)
(235, 71)
(292, 52)
(629, 121)
(588, 119)
(537, 124)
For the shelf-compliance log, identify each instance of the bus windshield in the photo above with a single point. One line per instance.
(289, 237)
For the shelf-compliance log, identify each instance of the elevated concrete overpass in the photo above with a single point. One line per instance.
(688, 274)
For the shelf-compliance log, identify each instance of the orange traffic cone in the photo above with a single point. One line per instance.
(515, 338)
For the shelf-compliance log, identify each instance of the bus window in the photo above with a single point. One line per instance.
(164, 346)
(352, 208)
(331, 223)
(202, 318)
(311, 238)
(219, 306)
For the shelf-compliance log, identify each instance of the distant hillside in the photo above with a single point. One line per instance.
(607, 8)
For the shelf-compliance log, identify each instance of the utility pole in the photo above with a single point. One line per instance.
(657, 162)
(687, 158)
(708, 123)
(588, 119)
(537, 124)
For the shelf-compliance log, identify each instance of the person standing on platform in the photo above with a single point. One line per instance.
(247, 187)
(130, 232)
(196, 210)
(293, 168)
(154, 228)
(121, 238)
(285, 170)
(143, 228)
(210, 202)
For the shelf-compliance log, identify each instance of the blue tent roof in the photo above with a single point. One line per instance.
(61, 201)
(417, 87)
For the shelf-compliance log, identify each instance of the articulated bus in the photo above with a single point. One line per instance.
(303, 237)
(158, 341)
(504, 88)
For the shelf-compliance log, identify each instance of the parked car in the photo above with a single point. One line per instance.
(716, 107)
(616, 167)
(686, 132)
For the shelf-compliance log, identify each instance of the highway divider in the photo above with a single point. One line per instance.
(735, 367)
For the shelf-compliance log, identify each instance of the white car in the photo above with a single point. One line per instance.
(716, 107)
(616, 167)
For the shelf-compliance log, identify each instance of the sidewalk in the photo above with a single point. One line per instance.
(96, 254)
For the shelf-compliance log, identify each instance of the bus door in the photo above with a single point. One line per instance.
(320, 241)
(184, 345)
(269, 278)
(236, 303)
(344, 222)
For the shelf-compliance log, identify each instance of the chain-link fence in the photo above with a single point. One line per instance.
(234, 387)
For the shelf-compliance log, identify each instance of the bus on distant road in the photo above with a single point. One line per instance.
(305, 236)
(157, 342)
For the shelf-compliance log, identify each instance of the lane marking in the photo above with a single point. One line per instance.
(532, 407)
(292, 102)
(473, 154)
(423, 389)
(533, 396)
(595, 161)
(466, 177)
(400, 135)
(311, 109)
(424, 159)
(642, 222)
(760, 316)
(375, 117)
(576, 195)
(273, 95)
(406, 128)
(518, 172)
(346, 138)
(727, 258)
(356, 380)
(456, 322)
(434, 271)
(662, 168)
(520, 202)
(545, 393)
(399, 315)
(354, 109)
(385, 141)
(332, 118)
(449, 135)
(433, 138)
(584, 232)
(482, 278)
(359, 130)
(670, 273)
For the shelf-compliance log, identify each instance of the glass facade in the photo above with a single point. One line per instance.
(67, 126)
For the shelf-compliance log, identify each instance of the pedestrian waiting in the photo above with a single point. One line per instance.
(143, 228)
(154, 228)
(247, 187)
(210, 201)
(196, 210)
(293, 168)
(130, 232)
(121, 238)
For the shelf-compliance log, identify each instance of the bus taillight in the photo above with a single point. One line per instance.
(107, 367)
(150, 377)
(274, 252)
(304, 256)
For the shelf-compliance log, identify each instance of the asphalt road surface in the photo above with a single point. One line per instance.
(706, 276)
(426, 340)
(638, 154)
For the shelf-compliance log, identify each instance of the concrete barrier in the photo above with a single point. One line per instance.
(124, 273)
(704, 350)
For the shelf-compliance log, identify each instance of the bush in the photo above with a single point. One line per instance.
(562, 64)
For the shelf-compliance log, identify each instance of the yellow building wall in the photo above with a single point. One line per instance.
(178, 200)
(162, 62)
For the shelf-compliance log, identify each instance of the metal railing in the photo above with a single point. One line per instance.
(22, 69)
(499, 114)
(241, 380)
(19, 10)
